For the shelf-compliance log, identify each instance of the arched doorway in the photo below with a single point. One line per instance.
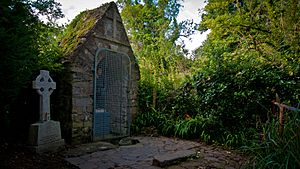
(112, 101)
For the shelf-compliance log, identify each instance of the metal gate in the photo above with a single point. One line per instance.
(111, 106)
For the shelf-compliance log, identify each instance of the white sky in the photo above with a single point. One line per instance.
(71, 8)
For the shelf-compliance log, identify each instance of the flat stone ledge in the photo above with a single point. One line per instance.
(171, 158)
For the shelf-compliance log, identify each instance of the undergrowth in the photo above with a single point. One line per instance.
(199, 127)
(277, 150)
(221, 108)
(267, 149)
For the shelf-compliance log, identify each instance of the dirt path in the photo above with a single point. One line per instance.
(141, 155)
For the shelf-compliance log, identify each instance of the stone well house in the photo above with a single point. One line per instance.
(104, 74)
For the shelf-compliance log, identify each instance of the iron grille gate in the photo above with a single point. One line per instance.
(111, 95)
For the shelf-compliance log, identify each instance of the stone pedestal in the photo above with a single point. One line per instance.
(45, 137)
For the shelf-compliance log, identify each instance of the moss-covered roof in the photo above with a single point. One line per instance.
(80, 26)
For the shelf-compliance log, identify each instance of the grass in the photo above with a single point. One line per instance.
(272, 150)
(276, 150)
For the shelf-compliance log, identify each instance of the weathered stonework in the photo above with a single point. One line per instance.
(106, 31)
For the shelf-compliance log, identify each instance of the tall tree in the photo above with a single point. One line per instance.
(21, 34)
(153, 30)
(251, 53)
(267, 28)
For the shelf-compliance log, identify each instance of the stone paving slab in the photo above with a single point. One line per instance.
(141, 155)
(172, 157)
(133, 156)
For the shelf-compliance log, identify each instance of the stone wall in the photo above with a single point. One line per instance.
(109, 33)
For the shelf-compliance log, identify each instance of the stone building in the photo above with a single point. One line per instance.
(104, 74)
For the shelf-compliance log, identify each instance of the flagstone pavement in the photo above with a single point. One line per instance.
(141, 155)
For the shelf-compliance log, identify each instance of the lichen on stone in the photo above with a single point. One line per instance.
(76, 30)
(75, 33)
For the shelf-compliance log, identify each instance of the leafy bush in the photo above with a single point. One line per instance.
(237, 95)
(236, 74)
(221, 106)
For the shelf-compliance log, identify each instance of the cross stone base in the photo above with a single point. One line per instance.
(45, 137)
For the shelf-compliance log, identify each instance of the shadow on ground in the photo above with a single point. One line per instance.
(129, 153)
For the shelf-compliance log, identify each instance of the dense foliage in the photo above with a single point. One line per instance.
(27, 44)
(251, 54)
(153, 30)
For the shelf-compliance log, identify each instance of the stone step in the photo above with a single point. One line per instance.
(171, 158)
